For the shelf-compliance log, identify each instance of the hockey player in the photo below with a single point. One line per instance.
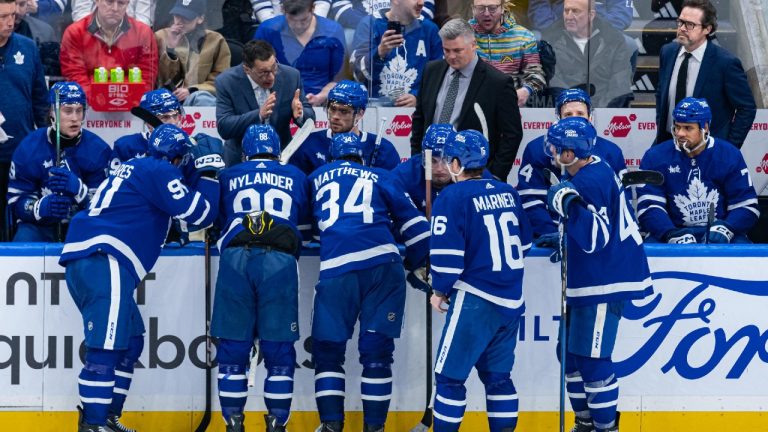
(43, 194)
(606, 265)
(479, 238)
(162, 104)
(112, 246)
(361, 275)
(531, 183)
(702, 175)
(264, 204)
(345, 108)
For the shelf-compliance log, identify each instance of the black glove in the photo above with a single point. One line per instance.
(419, 279)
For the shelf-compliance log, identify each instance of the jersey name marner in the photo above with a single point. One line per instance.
(342, 171)
(493, 202)
(267, 178)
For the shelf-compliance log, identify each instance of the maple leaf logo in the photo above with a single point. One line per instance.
(397, 78)
(694, 207)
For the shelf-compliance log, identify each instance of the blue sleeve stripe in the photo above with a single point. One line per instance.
(14, 190)
(116, 243)
(598, 227)
(501, 301)
(457, 252)
(524, 192)
(304, 227)
(192, 207)
(745, 203)
(613, 288)
(648, 197)
(205, 213)
(446, 270)
(417, 239)
(530, 204)
(640, 212)
(13, 200)
(412, 222)
(359, 256)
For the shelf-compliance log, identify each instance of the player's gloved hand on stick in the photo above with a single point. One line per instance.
(719, 232)
(556, 257)
(679, 236)
(63, 181)
(52, 207)
(420, 279)
(551, 240)
(207, 156)
(561, 196)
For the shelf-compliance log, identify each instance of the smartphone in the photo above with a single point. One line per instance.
(396, 26)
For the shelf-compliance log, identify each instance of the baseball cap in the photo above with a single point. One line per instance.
(189, 9)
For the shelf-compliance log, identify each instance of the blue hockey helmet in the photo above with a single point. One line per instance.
(693, 110)
(468, 146)
(572, 133)
(261, 139)
(70, 93)
(436, 137)
(169, 142)
(572, 95)
(350, 93)
(346, 144)
(159, 101)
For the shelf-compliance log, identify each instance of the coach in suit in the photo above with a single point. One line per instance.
(258, 91)
(692, 65)
(452, 86)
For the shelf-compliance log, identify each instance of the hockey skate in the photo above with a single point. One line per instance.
(373, 428)
(82, 426)
(113, 421)
(583, 425)
(272, 425)
(236, 423)
(334, 426)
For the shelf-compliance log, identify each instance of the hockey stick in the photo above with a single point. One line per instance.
(553, 180)
(146, 116)
(481, 116)
(426, 419)
(206, 420)
(710, 220)
(57, 127)
(377, 143)
(632, 178)
(298, 139)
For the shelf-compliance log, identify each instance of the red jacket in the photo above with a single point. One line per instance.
(83, 50)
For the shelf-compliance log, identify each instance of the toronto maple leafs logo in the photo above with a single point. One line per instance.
(372, 6)
(694, 207)
(674, 169)
(397, 78)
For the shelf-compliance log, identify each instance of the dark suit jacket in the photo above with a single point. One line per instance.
(495, 92)
(236, 107)
(722, 82)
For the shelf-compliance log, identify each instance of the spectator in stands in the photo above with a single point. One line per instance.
(260, 90)
(47, 10)
(108, 38)
(591, 55)
(191, 57)
(265, 10)
(391, 50)
(312, 44)
(544, 13)
(24, 104)
(32, 27)
(43, 194)
(711, 73)
(140, 10)
(707, 195)
(507, 46)
(349, 13)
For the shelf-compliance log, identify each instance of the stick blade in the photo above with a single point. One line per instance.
(550, 176)
(146, 116)
(298, 139)
(631, 178)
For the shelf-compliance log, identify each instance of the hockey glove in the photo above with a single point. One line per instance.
(52, 207)
(561, 196)
(207, 156)
(679, 236)
(551, 240)
(63, 181)
(719, 232)
(420, 279)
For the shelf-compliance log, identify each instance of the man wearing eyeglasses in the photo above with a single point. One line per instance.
(260, 90)
(691, 66)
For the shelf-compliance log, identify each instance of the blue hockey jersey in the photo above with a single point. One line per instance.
(532, 186)
(130, 214)
(606, 259)
(400, 72)
(718, 175)
(36, 155)
(349, 13)
(316, 151)
(480, 236)
(128, 147)
(264, 185)
(354, 209)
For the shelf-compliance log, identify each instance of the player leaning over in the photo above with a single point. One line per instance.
(264, 204)
(41, 193)
(361, 275)
(479, 238)
(606, 265)
(112, 245)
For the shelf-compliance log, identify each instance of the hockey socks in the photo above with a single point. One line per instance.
(329, 392)
(279, 359)
(376, 392)
(124, 374)
(233, 389)
(450, 404)
(574, 385)
(96, 382)
(500, 401)
(602, 398)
